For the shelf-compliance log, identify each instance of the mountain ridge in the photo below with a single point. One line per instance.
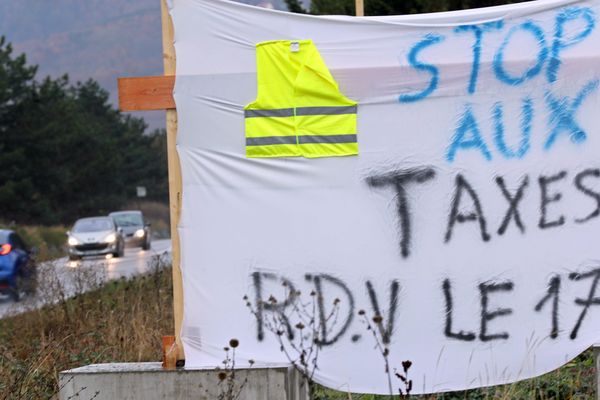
(97, 39)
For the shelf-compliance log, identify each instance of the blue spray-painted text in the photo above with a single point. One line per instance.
(579, 22)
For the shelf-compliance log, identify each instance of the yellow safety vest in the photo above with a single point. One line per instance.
(299, 110)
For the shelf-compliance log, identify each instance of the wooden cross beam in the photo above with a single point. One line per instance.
(156, 93)
(146, 93)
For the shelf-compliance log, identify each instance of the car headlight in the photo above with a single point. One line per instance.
(139, 233)
(73, 241)
(110, 238)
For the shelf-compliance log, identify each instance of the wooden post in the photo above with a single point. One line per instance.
(360, 8)
(175, 186)
(155, 93)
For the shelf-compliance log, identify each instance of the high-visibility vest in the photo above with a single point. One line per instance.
(299, 110)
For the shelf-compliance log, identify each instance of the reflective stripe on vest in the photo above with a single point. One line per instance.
(299, 110)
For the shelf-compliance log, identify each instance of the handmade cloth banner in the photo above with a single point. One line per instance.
(458, 218)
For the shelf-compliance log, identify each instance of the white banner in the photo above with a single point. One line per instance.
(468, 221)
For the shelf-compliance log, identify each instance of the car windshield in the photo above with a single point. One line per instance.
(128, 219)
(93, 225)
(3, 237)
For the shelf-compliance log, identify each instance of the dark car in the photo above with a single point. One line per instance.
(95, 236)
(135, 230)
(18, 272)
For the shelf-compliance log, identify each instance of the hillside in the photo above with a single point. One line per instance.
(99, 39)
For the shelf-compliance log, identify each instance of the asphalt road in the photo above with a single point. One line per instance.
(62, 278)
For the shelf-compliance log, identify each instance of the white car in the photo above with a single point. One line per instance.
(95, 236)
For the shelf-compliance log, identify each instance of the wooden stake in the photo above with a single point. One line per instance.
(175, 186)
(360, 8)
(169, 356)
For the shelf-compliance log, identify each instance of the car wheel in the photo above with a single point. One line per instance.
(146, 245)
(15, 292)
(29, 283)
(15, 295)
(120, 250)
(74, 257)
(31, 286)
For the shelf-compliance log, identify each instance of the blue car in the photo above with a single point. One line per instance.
(18, 272)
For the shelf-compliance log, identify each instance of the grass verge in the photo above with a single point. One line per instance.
(124, 320)
(118, 321)
(574, 381)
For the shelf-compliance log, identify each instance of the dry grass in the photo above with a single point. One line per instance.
(155, 213)
(118, 321)
(124, 320)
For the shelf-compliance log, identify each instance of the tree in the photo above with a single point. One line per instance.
(16, 80)
(66, 152)
(16, 87)
(295, 6)
(391, 7)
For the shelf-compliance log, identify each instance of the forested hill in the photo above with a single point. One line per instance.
(66, 152)
(103, 39)
(99, 39)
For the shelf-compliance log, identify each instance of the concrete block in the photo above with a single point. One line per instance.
(149, 381)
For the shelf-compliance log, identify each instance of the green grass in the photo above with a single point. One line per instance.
(574, 381)
(49, 241)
